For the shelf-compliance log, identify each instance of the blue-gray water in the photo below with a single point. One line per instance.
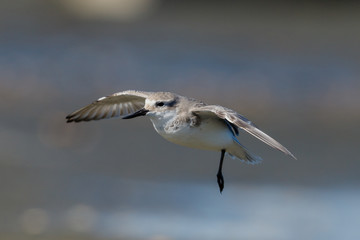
(111, 208)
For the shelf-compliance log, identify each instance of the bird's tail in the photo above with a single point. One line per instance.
(238, 151)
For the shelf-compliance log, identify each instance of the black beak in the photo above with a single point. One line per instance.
(141, 112)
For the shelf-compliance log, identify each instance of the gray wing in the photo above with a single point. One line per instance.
(240, 121)
(115, 105)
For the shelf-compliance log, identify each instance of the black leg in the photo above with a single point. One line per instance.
(220, 178)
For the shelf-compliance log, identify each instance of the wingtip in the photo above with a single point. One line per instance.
(291, 155)
(287, 152)
(70, 118)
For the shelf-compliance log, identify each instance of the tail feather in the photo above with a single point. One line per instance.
(238, 151)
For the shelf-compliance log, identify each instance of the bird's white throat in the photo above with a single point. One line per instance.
(161, 119)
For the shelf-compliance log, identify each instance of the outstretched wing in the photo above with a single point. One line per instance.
(115, 105)
(240, 121)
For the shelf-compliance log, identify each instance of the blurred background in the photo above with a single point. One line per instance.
(292, 67)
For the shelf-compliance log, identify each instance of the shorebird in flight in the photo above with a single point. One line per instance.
(184, 121)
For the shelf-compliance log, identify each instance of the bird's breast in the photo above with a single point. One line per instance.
(209, 134)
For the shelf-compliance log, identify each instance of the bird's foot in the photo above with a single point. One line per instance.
(220, 181)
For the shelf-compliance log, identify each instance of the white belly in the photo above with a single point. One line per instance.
(209, 135)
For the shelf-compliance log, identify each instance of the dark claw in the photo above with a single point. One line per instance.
(220, 178)
(220, 181)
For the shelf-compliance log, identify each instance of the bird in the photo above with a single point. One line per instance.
(184, 121)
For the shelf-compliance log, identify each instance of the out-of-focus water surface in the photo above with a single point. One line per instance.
(292, 68)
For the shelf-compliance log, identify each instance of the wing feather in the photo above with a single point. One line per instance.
(115, 105)
(240, 122)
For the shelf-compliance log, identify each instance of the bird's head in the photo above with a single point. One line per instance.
(158, 105)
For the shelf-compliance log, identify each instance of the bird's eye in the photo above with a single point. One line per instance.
(159, 104)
